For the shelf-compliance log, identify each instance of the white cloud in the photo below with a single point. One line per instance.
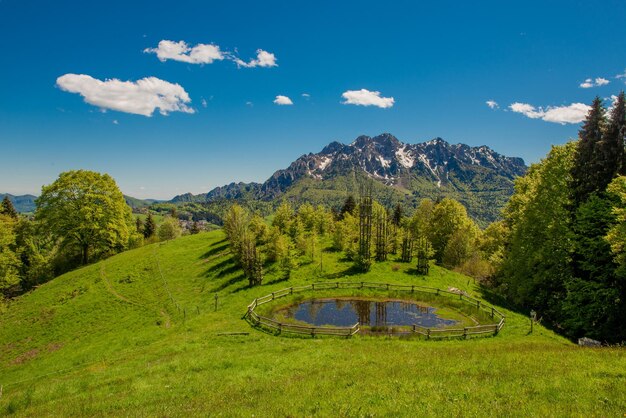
(573, 113)
(282, 100)
(492, 104)
(306, 95)
(204, 103)
(599, 81)
(115, 122)
(622, 75)
(263, 59)
(141, 97)
(206, 54)
(249, 104)
(365, 97)
(602, 81)
(180, 51)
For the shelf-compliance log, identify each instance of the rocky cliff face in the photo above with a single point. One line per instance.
(479, 177)
(392, 162)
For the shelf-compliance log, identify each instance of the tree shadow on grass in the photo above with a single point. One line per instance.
(229, 282)
(223, 268)
(350, 271)
(281, 279)
(215, 249)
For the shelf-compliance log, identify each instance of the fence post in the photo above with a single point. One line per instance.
(313, 286)
(428, 334)
(272, 295)
(437, 292)
(412, 288)
(291, 290)
(361, 285)
(337, 283)
(492, 311)
(478, 305)
(465, 333)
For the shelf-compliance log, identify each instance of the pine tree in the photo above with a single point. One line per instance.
(139, 225)
(398, 214)
(588, 162)
(7, 208)
(348, 207)
(149, 227)
(612, 145)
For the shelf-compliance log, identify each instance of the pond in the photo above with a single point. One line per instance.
(374, 313)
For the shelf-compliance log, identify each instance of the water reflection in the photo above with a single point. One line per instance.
(346, 312)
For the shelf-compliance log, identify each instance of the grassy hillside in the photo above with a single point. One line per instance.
(137, 334)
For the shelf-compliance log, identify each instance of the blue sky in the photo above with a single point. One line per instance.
(439, 61)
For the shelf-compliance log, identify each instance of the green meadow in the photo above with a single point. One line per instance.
(138, 335)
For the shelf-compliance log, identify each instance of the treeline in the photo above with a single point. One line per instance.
(80, 218)
(441, 231)
(565, 232)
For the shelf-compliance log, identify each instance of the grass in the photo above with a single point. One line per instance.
(137, 335)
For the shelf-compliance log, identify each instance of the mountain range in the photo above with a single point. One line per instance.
(478, 177)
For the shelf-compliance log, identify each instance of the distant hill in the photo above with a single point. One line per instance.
(23, 203)
(135, 203)
(26, 203)
(478, 177)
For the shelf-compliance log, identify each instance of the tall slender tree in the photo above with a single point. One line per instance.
(612, 145)
(588, 161)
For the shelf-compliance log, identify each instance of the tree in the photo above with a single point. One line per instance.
(86, 211)
(398, 214)
(283, 217)
(10, 262)
(195, 228)
(169, 229)
(448, 218)
(7, 208)
(235, 227)
(536, 264)
(588, 168)
(139, 225)
(149, 228)
(612, 144)
(349, 206)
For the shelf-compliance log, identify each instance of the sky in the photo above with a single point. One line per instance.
(182, 97)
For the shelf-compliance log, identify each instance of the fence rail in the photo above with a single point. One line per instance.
(257, 319)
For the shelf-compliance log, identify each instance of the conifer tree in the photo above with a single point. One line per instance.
(349, 206)
(612, 145)
(588, 161)
(149, 227)
(398, 214)
(7, 208)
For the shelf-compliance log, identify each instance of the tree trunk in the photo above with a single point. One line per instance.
(85, 254)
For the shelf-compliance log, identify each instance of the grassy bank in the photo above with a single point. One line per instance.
(137, 334)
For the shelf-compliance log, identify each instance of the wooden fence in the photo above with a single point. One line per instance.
(257, 319)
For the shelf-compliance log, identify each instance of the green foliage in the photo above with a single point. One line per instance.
(109, 339)
(149, 227)
(87, 212)
(169, 229)
(10, 263)
(537, 259)
(349, 206)
(7, 208)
